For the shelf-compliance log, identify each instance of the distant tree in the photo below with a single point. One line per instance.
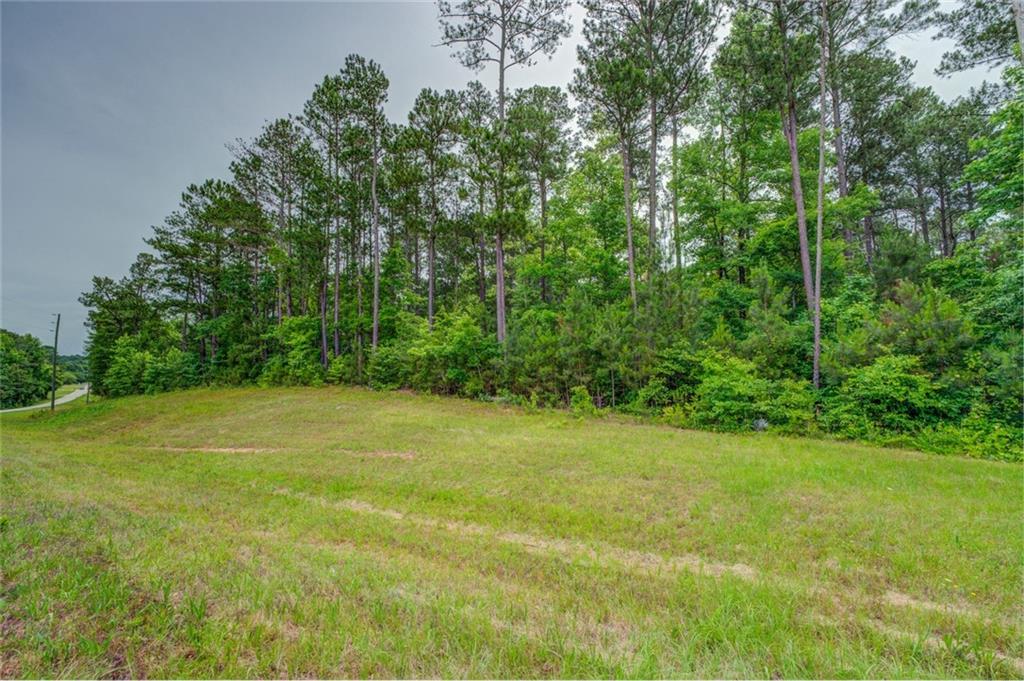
(672, 39)
(24, 370)
(542, 117)
(365, 89)
(433, 129)
(507, 33)
(609, 85)
(779, 45)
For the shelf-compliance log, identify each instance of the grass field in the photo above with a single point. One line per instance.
(341, 532)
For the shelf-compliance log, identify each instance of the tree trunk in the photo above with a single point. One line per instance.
(337, 287)
(543, 237)
(627, 192)
(943, 226)
(499, 257)
(922, 208)
(374, 217)
(499, 245)
(789, 128)
(430, 280)
(676, 236)
(652, 191)
(323, 322)
(821, 200)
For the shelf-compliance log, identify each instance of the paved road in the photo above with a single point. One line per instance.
(73, 395)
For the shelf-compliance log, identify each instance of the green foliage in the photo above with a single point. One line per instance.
(730, 395)
(390, 367)
(891, 395)
(298, 363)
(924, 322)
(174, 370)
(457, 358)
(349, 249)
(25, 370)
(580, 402)
(127, 368)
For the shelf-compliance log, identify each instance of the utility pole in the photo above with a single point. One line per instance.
(53, 376)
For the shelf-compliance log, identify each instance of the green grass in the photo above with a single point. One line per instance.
(341, 532)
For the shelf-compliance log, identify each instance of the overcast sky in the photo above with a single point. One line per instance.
(110, 109)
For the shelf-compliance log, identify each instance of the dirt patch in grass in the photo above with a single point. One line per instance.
(215, 450)
(383, 454)
(901, 600)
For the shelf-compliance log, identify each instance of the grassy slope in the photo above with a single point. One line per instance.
(351, 533)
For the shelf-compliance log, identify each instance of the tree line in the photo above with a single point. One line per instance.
(750, 216)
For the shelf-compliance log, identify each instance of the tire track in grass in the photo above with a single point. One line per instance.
(653, 563)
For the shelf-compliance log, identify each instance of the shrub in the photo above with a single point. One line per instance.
(174, 370)
(788, 406)
(390, 367)
(127, 368)
(457, 357)
(730, 395)
(891, 395)
(299, 363)
(580, 402)
(654, 396)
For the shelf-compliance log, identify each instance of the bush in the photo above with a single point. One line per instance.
(175, 370)
(730, 396)
(891, 395)
(299, 361)
(127, 368)
(788, 406)
(457, 357)
(390, 367)
(580, 402)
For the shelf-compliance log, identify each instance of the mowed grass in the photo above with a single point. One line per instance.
(341, 532)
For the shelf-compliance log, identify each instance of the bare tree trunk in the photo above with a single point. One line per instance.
(627, 187)
(499, 245)
(375, 218)
(652, 191)
(323, 322)
(923, 211)
(430, 280)
(676, 236)
(789, 128)
(821, 200)
(337, 287)
(943, 224)
(543, 236)
(499, 256)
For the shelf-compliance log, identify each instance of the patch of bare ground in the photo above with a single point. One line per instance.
(214, 450)
(901, 600)
(382, 454)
